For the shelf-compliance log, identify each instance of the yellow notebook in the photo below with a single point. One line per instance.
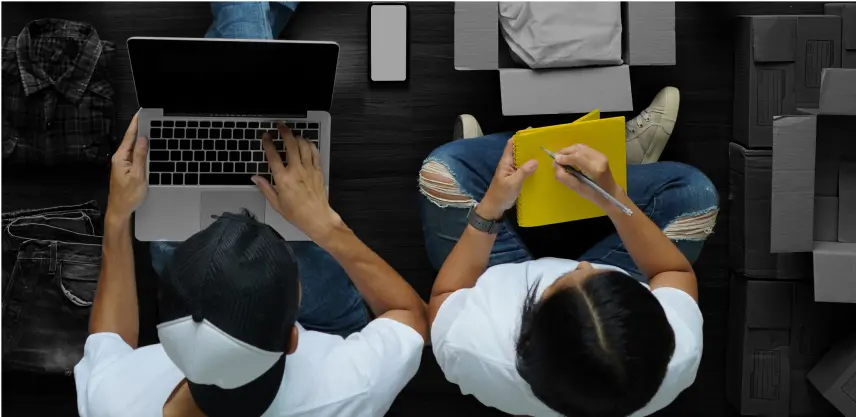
(543, 199)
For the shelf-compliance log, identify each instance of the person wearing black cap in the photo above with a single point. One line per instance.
(230, 304)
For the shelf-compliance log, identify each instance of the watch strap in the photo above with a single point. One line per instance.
(483, 225)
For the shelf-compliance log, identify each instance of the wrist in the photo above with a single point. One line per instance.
(115, 226)
(488, 210)
(619, 195)
(114, 219)
(329, 232)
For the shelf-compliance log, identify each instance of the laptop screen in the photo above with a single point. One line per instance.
(233, 77)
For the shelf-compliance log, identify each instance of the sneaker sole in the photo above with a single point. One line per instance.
(466, 126)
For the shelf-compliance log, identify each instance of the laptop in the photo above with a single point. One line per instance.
(204, 105)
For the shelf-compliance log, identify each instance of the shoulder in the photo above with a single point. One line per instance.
(683, 313)
(490, 375)
(383, 335)
(474, 337)
(366, 370)
(112, 376)
(495, 303)
(100, 351)
(686, 321)
(384, 348)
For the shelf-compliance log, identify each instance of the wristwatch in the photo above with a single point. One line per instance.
(481, 224)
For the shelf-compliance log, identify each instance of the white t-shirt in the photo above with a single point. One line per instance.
(326, 376)
(475, 332)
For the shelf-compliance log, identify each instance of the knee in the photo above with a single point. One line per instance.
(697, 217)
(701, 189)
(696, 190)
(438, 184)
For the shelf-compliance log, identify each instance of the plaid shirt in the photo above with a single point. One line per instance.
(57, 100)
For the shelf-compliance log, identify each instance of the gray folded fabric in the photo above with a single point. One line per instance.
(560, 34)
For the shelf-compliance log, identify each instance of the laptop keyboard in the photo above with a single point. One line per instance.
(205, 152)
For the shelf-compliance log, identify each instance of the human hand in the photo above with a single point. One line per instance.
(299, 195)
(506, 184)
(592, 164)
(128, 176)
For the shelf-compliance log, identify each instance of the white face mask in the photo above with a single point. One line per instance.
(207, 355)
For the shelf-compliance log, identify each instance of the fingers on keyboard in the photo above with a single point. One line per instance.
(205, 152)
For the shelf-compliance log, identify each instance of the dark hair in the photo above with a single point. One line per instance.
(600, 348)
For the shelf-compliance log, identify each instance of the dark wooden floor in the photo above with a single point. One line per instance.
(381, 135)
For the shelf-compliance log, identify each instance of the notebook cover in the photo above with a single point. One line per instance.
(544, 200)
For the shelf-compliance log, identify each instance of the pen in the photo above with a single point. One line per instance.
(587, 181)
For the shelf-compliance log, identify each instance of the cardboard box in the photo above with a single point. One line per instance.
(847, 203)
(838, 91)
(835, 377)
(792, 202)
(546, 91)
(776, 334)
(833, 132)
(777, 68)
(750, 183)
(648, 33)
(479, 45)
(825, 219)
(818, 42)
(835, 272)
(476, 32)
(847, 12)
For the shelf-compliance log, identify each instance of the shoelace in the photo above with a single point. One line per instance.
(637, 121)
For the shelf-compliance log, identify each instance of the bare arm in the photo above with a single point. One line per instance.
(115, 307)
(464, 265)
(384, 290)
(657, 257)
(469, 258)
(301, 198)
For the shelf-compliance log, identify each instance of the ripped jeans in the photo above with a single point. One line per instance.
(678, 198)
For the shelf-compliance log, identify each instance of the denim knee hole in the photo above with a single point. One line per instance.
(693, 226)
(438, 185)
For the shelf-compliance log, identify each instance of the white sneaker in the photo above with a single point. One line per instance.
(648, 133)
(466, 126)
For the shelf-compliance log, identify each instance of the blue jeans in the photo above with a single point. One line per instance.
(330, 302)
(249, 20)
(665, 191)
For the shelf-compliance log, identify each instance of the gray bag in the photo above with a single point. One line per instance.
(559, 34)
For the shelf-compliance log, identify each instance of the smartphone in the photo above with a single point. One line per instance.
(389, 43)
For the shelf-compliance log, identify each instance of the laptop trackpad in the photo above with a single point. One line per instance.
(215, 203)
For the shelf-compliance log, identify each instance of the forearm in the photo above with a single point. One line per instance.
(465, 264)
(467, 261)
(115, 307)
(381, 286)
(650, 249)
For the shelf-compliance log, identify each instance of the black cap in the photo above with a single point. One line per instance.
(228, 300)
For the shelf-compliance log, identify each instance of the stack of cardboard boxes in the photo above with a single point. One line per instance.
(793, 201)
